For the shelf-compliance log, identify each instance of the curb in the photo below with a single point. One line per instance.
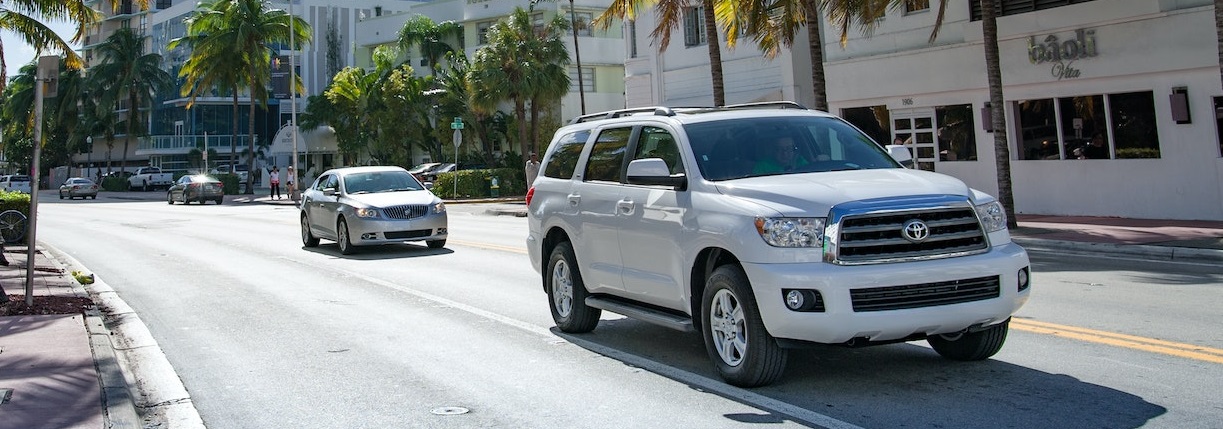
(135, 373)
(1165, 253)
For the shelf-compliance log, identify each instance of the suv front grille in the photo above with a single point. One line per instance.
(924, 295)
(872, 238)
(406, 212)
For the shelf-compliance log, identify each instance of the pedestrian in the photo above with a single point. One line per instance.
(3, 259)
(291, 183)
(532, 169)
(274, 181)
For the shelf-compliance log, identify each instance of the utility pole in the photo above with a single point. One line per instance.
(293, 97)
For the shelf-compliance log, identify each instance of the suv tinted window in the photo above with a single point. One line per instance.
(732, 148)
(565, 159)
(656, 142)
(607, 156)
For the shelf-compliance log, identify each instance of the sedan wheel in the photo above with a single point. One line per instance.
(342, 238)
(308, 238)
(169, 198)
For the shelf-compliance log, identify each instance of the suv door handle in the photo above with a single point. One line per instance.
(625, 207)
(574, 199)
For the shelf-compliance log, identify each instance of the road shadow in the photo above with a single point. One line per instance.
(379, 252)
(898, 385)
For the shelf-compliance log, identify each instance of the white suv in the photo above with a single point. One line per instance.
(766, 227)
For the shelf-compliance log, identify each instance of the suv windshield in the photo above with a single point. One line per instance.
(738, 148)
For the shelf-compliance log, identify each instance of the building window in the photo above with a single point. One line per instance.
(482, 31)
(588, 79)
(582, 23)
(956, 133)
(1219, 122)
(1014, 7)
(632, 38)
(916, 6)
(1089, 127)
(694, 26)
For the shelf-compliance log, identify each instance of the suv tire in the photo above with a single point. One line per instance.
(743, 352)
(970, 346)
(567, 294)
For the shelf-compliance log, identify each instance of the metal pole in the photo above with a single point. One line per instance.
(293, 97)
(31, 239)
(577, 56)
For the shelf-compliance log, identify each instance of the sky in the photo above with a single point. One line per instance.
(17, 53)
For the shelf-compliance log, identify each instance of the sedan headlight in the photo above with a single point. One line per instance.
(791, 231)
(365, 212)
(993, 216)
(440, 207)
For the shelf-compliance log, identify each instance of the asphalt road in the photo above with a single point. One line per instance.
(265, 333)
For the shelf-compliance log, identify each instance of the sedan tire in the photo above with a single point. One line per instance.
(342, 239)
(308, 238)
(170, 198)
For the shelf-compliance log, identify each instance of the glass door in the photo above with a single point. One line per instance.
(915, 130)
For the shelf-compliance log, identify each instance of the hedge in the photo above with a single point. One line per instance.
(478, 183)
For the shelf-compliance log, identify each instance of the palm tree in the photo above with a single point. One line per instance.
(670, 15)
(422, 32)
(349, 94)
(247, 29)
(518, 65)
(550, 80)
(21, 17)
(210, 67)
(127, 71)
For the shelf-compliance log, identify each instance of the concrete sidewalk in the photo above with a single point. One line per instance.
(62, 371)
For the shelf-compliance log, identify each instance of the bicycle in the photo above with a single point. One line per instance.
(13, 225)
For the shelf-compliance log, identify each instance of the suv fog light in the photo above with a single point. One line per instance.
(805, 300)
(794, 300)
(1023, 279)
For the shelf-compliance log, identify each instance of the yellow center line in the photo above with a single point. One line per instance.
(1187, 351)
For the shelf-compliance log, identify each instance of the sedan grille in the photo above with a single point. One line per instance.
(881, 237)
(925, 294)
(406, 212)
(407, 235)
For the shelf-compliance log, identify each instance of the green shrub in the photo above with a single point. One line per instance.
(15, 201)
(1137, 152)
(116, 184)
(478, 183)
(229, 183)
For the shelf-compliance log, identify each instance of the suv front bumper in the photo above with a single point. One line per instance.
(839, 322)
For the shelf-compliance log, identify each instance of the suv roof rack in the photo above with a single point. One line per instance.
(658, 111)
(766, 104)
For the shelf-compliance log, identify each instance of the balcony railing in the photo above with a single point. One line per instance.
(184, 143)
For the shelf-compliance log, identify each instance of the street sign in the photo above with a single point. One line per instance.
(458, 137)
(457, 124)
(48, 72)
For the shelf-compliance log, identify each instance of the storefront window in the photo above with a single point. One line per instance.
(875, 121)
(1083, 131)
(956, 133)
(1082, 118)
(1219, 122)
(1135, 132)
(1038, 130)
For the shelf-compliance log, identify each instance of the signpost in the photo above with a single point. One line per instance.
(457, 126)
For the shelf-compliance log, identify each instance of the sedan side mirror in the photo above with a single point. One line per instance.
(329, 192)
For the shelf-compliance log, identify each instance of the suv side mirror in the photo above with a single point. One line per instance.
(654, 171)
(901, 154)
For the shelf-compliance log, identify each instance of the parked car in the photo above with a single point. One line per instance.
(766, 227)
(431, 175)
(362, 206)
(150, 178)
(15, 183)
(241, 170)
(78, 187)
(196, 187)
(423, 168)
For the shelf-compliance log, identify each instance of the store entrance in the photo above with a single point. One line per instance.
(915, 128)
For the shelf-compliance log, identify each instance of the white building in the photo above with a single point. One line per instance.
(1143, 74)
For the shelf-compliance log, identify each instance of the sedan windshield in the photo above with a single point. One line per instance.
(380, 181)
(788, 145)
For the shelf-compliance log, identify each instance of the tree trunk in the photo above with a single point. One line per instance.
(1002, 151)
(817, 55)
(250, 151)
(534, 123)
(715, 53)
(233, 139)
(520, 112)
(133, 115)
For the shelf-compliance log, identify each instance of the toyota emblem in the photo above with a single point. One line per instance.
(915, 231)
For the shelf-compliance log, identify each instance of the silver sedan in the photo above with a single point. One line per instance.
(363, 206)
(78, 187)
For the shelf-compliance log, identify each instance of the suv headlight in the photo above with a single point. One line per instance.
(365, 212)
(791, 231)
(993, 216)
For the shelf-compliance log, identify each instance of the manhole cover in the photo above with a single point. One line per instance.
(449, 411)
